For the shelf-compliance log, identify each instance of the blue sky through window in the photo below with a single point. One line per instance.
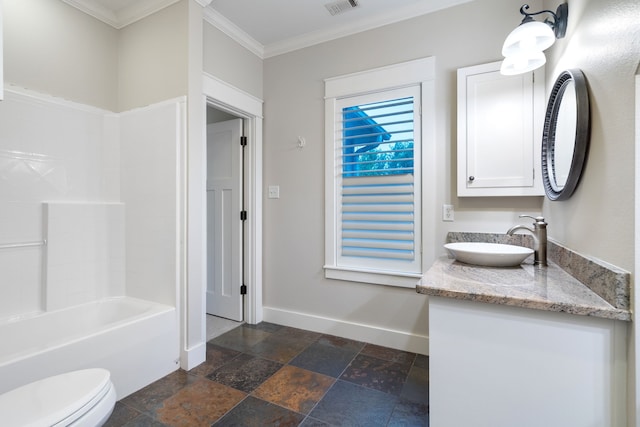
(378, 138)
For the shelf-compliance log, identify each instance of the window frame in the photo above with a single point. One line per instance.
(419, 72)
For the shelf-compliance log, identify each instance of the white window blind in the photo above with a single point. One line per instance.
(377, 146)
(377, 217)
(379, 173)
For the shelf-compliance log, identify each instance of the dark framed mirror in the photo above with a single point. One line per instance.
(565, 137)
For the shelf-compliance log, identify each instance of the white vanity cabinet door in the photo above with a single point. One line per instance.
(499, 366)
(500, 120)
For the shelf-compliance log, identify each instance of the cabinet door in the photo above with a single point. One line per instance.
(499, 366)
(499, 132)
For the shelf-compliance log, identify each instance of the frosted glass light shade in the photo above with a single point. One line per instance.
(522, 62)
(532, 35)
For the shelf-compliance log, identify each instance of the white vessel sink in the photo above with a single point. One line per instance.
(488, 254)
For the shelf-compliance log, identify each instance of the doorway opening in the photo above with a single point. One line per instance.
(225, 289)
(219, 95)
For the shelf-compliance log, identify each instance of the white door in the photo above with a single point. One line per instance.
(224, 227)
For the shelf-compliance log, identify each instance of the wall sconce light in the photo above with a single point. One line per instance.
(524, 46)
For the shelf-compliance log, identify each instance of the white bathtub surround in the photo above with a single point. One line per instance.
(153, 144)
(102, 190)
(85, 257)
(20, 289)
(50, 149)
(53, 149)
(136, 340)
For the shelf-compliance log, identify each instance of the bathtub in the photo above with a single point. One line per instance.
(136, 340)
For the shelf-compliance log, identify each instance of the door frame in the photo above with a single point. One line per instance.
(222, 96)
(192, 293)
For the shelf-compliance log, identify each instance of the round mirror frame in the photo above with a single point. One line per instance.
(581, 141)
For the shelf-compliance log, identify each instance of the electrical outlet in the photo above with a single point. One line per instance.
(447, 212)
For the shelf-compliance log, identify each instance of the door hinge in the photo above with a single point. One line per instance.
(243, 289)
(243, 215)
(243, 141)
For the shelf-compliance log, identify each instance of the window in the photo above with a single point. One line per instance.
(377, 195)
(374, 157)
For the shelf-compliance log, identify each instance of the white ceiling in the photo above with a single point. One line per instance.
(271, 27)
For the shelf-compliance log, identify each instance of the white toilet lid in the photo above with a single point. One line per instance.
(51, 400)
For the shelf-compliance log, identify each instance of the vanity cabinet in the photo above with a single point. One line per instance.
(500, 121)
(502, 366)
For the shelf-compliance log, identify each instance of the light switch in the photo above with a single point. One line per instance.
(274, 192)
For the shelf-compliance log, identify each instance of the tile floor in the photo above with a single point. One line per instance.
(219, 325)
(271, 375)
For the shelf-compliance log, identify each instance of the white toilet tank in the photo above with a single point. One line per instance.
(78, 398)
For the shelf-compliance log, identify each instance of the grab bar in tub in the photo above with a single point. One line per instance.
(22, 245)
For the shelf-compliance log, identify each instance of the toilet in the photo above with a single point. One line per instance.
(78, 398)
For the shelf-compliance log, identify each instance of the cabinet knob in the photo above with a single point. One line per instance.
(471, 178)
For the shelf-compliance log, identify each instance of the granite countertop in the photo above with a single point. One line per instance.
(543, 288)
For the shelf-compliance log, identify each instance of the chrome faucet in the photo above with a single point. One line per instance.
(539, 233)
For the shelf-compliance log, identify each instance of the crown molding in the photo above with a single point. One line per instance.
(128, 15)
(317, 37)
(358, 26)
(142, 8)
(216, 19)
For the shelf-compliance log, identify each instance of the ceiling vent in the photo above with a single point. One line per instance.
(340, 6)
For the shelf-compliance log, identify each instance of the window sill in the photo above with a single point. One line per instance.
(387, 278)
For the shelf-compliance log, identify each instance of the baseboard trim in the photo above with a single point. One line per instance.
(192, 357)
(371, 334)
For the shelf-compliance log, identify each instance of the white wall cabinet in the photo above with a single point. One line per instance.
(500, 121)
(499, 366)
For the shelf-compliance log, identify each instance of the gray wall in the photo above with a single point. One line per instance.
(53, 48)
(153, 58)
(603, 39)
(230, 62)
(465, 35)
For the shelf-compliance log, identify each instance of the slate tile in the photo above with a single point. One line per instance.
(294, 388)
(199, 404)
(298, 334)
(253, 412)
(279, 348)
(347, 404)
(149, 398)
(241, 338)
(245, 372)
(407, 413)
(324, 359)
(264, 326)
(216, 357)
(377, 374)
(389, 354)
(416, 387)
